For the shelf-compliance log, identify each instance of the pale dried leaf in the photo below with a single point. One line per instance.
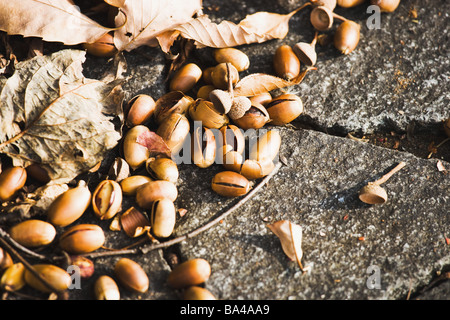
(256, 28)
(290, 236)
(51, 20)
(52, 115)
(258, 83)
(143, 20)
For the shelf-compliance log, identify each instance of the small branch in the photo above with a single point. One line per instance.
(28, 266)
(195, 232)
(5, 235)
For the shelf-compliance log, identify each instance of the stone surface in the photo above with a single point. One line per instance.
(403, 238)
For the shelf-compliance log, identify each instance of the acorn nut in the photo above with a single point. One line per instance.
(139, 110)
(171, 102)
(286, 62)
(386, 5)
(186, 77)
(82, 238)
(107, 199)
(70, 205)
(102, 47)
(54, 275)
(135, 154)
(174, 131)
(189, 273)
(33, 233)
(205, 112)
(203, 149)
(12, 180)
(284, 109)
(197, 293)
(163, 218)
(234, 56)
(13, 278)
(349, 3)
(254, 118)
(266, 146)
(132, 183)
(220, 75)
(154, 190)
(347, 36)
(230, 184)
(5, 259)
(252, 169)
(105, 288)
(131, 275)
(162, 169)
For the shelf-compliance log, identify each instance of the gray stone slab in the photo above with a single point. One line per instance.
(404, 239)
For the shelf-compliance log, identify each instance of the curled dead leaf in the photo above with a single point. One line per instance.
(53, 116)
(56, 20)
(255, 28)
(154, 143)
(290, 235)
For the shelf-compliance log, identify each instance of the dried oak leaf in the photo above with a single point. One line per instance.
(258, 83)
(140, 21)
(290, 235)
(51, 20)
(256, 28)
(52, 115)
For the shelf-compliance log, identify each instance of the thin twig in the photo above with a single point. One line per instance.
(4, 244)
(195, 232)
(6, 236)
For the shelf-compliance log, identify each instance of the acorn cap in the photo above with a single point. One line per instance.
(221, 100)
(306, 53)
(373, 194)
(239, 107)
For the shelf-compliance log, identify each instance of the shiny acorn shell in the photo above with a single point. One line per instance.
(12, 180)
(230, 184)
(107, 199)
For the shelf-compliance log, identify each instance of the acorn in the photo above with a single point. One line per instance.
(284, 109)
(230, 184)
(162, 169)
(163, 218)
(56, 276)
(33, 233)
(102, 47)
(386, 5)
(254, 118)
(186, 77)
(286, 62)
(13, 278)
(234, 56)
(203, 148)
(174, 130)
(154, 190)
(12, 180)
(349, 3)
(197, 293)
(139, 110)
(347, 36)
(222, 73)
(82, 238)
(105, 288)
(107, 199)
(135, 154)
(171, 102)
(130, 184)
(189, 273)
(131, 275)
(70, 205)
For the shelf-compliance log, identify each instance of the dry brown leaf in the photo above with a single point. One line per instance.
(256, 28)
(143, 20)
(290, 235)
(154, 143)
(51, 20)
(258, 83)
(52, 115)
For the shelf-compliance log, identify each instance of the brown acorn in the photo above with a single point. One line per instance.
(347, 36)
(386, 5)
